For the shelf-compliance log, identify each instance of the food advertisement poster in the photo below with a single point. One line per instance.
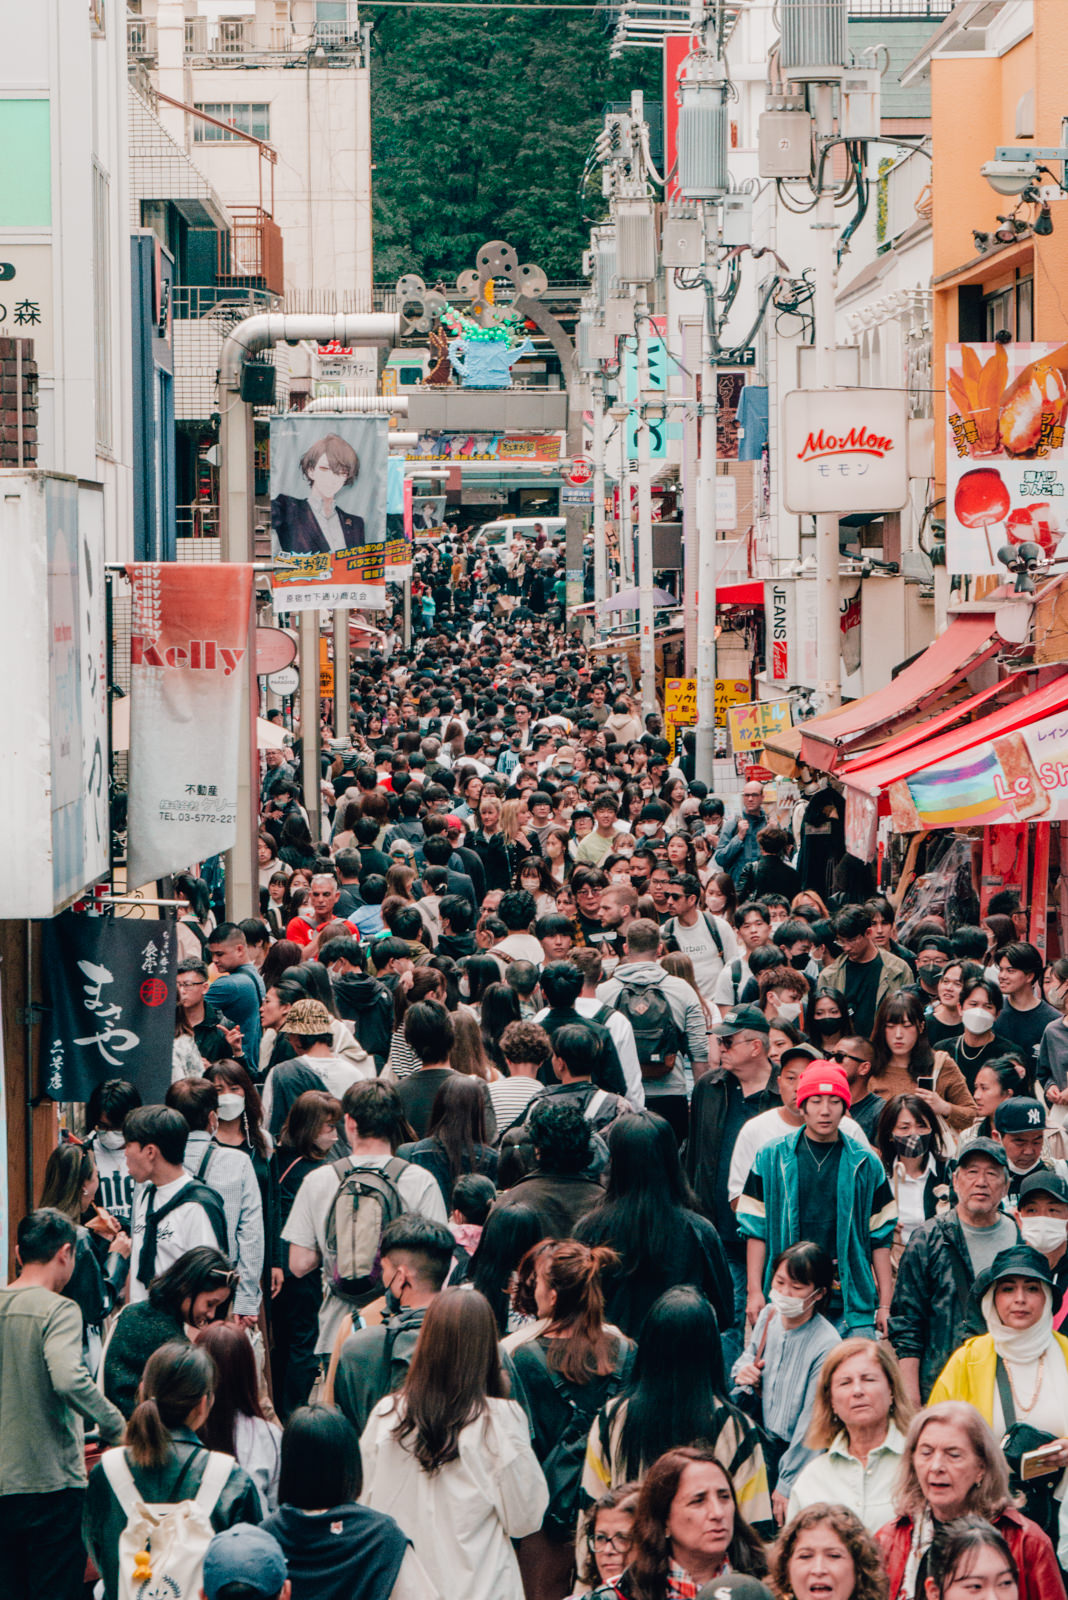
(1005, 453)
(1018, 777)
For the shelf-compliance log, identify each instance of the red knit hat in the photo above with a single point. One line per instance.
(823, 1077)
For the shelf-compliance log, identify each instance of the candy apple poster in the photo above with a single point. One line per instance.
(1005, 454)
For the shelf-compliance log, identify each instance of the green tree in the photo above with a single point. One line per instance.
(481, 125)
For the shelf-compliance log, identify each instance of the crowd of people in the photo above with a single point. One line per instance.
(569, 1184)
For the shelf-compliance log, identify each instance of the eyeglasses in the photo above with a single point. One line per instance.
(192, 983)
(620, 1543)
(843, 1055)
(673, 894)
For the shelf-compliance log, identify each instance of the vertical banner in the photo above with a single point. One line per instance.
(1006, 462)
(329, 495)
(399, 522)
(1040, 888)
(188, 644)
(111, 998)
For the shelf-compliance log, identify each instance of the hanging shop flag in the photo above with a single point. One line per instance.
(1006, 463)
(399, 523)
(188, 659)
(110, 985)
(328, 512)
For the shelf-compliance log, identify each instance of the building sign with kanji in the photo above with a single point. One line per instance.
(26, 298)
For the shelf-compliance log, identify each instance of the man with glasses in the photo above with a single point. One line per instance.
(215, 1036)
(738, 841)
(855, 1057)
(708, 941)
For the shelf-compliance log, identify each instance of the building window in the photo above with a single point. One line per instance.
(243, 117)
(1011, 311)
(102, 306)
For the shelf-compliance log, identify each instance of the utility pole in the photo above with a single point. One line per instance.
(341, 674)
(646, 611)
(600, 547)
(828, 616)
(308, 633)
(704, 749)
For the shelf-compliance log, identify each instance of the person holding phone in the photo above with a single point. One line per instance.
(904, 1063)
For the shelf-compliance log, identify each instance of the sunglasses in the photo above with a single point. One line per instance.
(843, 1055)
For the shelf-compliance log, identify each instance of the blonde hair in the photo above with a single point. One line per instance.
(825, 1425)
(990, 1495)
(510, 810)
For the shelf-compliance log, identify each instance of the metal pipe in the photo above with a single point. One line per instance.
(268, 328)
(600, 547)
(395, 405)
(341, 673)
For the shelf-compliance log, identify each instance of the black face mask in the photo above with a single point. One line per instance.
(929, 975)
(827, 1027)
(913, 1144)
(799, 963)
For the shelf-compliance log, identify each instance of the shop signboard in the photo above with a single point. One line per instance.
(753, 725)
(845, 450)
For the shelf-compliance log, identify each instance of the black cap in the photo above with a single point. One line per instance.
(983, 1147)
(739, 1019)
(1045, 1181)
(1020, 1114)
(1018, 1261)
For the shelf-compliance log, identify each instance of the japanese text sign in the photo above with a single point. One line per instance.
(753, 725)
(845, 450)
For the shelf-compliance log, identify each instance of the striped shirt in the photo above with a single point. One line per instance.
(793, 1359)
(511, 1096)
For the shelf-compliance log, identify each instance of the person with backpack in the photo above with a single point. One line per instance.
(361, 1000)
(153, 1504)
(667, 1020)
(752, 928)
(590, 963)
(562, 984)
(709, 941)
(342, 1208)
(416, 1257)
(570, 1365)
(172, 1212)
(575, 1058)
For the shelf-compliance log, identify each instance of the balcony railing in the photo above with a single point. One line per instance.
(252, 249)
(227, 304)
(141, 38)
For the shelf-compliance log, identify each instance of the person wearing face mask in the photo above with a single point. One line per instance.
(1020, 1128)
(980, 1005)
(783, 992)
(1042, 1211)
(1053, 1046)
(933, 953)
(241, 1127)
(374, 1360)
(944, 1022)
(709, 941)
(105, 1113)
(781, 1362)
(910, 1143)
(829, 1019)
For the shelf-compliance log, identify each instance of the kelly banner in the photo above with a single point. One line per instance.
(329, 495)
(188, 643)
(111, 997)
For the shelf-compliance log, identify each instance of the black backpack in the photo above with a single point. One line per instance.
(563, 1465)
(197, 1193)
(656, 1034)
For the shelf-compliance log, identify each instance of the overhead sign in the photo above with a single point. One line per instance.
(1006, 462)
(845, 450)
(285, 682)
(576, 494)
(504, 447)
(580, 471)
(328, 512)
(753, 725)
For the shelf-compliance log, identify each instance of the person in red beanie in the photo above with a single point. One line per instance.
(822, 1186)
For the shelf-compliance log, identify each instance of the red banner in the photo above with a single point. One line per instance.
(188, 656)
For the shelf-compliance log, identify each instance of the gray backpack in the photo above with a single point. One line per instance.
(367, 1200)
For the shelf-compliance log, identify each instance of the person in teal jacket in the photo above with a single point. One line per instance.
(820, 1185)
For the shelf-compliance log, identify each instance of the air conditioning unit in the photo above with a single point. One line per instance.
(814, 46)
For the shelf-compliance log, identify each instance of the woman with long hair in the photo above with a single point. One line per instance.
(456, 1136)
(997, 1080)
(558, 858)
(721, 897)
(608, 1539)
(681, 854)
(902, 1056)
(197, 1289)
(449, 1456)
(681, 966)
(827, 1552)
(308, 1139)
(570, 1362)
(677, 1395)
(534, 874)
(164, 1457)
(101, 1258)
(499, 1008)
(282, 955)
(510, 1232)
(688, 1530)
(909, 1140)
(296, 846)
(196, 922)
(650, 1222)
(468, 1053)
(969, 1557)
(479, 973)
(860, 1416)
(333, 1546)
(425, 983)
(236, 1423)
(829, 1019)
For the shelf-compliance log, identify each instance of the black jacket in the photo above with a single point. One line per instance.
(456, 945)
(931, 1313)
(704, 1148)
(368, 1005)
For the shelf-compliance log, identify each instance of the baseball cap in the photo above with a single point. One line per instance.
(1045, 1181)
(1018, 1261)
(805, 1049)
(739, 1018)
(1020, 1114)
(308, 1017)
(735, 1586)
(983, 1147)
(823, 1077)
(245, 1554)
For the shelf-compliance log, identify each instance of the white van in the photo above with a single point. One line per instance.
(502, 536)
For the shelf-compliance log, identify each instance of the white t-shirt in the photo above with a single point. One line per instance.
(307, 1221)
(766, 1129)
(727, 992)
(185, 1228)
(116, 1186)
(697, 943)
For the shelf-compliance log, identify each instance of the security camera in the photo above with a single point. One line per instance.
(1009, 177)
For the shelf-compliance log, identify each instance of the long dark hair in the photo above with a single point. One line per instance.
(232, 1075)
(481, 971)
(651, 1547)
(175, 1380)
(954, 1542)
(236, 1388)
(639, 1215)
(677, 1390)
(282, 955)
(901, 1007)
(500, 1006)
(893, 1108)
(198, 1271)
(302, 1126)
(315, 984)
(458, 1123)
(456, 1368)
(426, 983)
(507, 1236)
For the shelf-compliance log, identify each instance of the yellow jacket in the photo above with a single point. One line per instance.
(970, 1374)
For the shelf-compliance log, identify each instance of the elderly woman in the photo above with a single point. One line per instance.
(952, 1467)
(859, 1419)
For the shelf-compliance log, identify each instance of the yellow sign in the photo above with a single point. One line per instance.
(680, 707)
(326, 671)
(730, 692)
(752, 725)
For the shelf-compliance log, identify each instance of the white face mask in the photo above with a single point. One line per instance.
(788, 1305)
(231, 1106)
(648, 828)
(111, 1139)
(977, 1020)
(1044, 1234)
(790, 1012)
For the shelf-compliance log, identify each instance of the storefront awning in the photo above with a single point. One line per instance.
(967, 643)
(741, 594)
(854, 769)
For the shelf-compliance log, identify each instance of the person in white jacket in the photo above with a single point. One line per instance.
(450, 1459)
